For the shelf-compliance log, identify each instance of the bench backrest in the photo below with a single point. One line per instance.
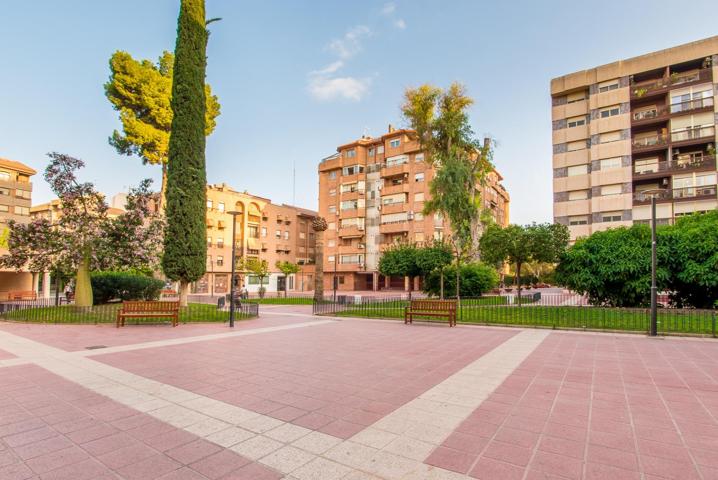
(433, 305)
(149, 306)
(22, 294)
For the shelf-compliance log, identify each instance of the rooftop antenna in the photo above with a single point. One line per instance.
(366, 132)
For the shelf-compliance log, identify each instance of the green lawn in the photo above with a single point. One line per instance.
(280, 301)
(592, 318)
(194, 313)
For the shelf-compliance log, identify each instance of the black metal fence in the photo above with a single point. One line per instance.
(556, 311)
(48, 310)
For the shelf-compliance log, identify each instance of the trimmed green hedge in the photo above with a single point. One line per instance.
(107, 286)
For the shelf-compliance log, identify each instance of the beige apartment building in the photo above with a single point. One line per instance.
(632, 129)
(15, 201)
(265, 231)
(372, 193)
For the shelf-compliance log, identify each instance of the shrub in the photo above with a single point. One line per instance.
(476, 279)
(108, 286)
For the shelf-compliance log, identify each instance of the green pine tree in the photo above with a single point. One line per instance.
(185, 254)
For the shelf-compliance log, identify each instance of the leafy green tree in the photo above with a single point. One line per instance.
(400, 260)
(692, 257)
(440, 119)
(435, 258)
(141, 91)
(258, 268)
(185, 252)
(319, 225)
(287, 268)
(519, 245)
(477, 278)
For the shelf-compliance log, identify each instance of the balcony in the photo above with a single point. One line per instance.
(351, 231)
(390, 171)
(393, 189)
(641, 198)
(690, 134)
(663, 85)
(706, 191)
(394, 207)
(394, 227)
(653, 142)
(692, 105)
(660, 169)
(656, 113)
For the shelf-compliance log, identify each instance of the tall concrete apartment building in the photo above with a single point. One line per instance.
(15, 201)
(264, 231)
(372, 193)
(633, 126)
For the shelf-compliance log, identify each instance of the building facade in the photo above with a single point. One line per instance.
(15, 201)
(633, 129)
(264, 231)
(372, 194)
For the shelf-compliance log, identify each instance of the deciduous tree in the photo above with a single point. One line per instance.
(400, 260)
(319, 225)
(287, 268)
(435, 258)
(258, 268)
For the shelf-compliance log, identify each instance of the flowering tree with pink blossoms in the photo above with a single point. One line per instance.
(84, 237)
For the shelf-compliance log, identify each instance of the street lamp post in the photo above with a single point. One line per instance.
(653, 330)
(234, 263)
(336, 254)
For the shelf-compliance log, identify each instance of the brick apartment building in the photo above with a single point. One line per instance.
(371, 193)
(634, 126)
(15, 201)
(264, 231)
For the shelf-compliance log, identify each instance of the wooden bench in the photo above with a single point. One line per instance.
(22, 295)
(148, 309)
(431, 308)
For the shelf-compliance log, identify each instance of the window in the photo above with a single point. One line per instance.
(614, 189)
(6, 191)
(578, 220)
(331, 243)
(695, 97)
(646, 165)
(333, 175)
(278, 234)
(331, 226)
(372, 151)
(608, 86)
(611, 216)
(254, 280)
(419, 197)
(609, 137)
(4, 176)
(576, 97)
(253, 231)
(392, 199)
(355, 258)
(419, 177)
(349, 205)
(4, 208)
(332, 192)
(209, 204)
(418, 216)
(286, 234)
(330, 259)
(609, 163)
(395, 143)
(209, 241)
(419, 157)
(350, 153)
(611, 111)
(302, 235)
(220, 206)
(22, 194)
(352, 170)
(264, 232)
(578, 195)
(577, 170)
(577, 145)
(220, 242)
(397, 160)
(380, 149)
(220, 260)
(22, 210)
(332, 209)
(576, 121)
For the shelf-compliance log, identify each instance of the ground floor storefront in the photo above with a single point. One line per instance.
(368, 281)
(218, 283)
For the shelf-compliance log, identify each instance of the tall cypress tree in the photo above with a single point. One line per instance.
(185, 254)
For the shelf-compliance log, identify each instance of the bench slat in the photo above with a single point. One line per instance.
(431, 308)
(148, 309)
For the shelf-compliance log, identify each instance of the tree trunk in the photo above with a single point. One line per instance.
(83, 285)
(286, 285)
(163, 189)
(319, 267)
(441, 284)
(518, 279)
(411, 284)
(183, 292)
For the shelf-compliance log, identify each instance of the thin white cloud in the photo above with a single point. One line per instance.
(350, 44)
(349, 88)
(388, 8)
(329, 69)
(400, 24)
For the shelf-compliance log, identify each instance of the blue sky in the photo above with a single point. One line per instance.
(296, 79)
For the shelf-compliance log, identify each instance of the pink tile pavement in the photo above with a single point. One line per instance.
(53, 429)
(79, 337)
(6, 355)
(585, 406)
(335, 378)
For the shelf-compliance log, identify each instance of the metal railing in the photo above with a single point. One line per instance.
(693, 133)
(638, 90)
(694, 104)
(690, 192)
(653, 140)
(555, 311)
(671, 165)
(47, 310)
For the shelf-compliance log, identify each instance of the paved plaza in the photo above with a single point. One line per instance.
(298, 397)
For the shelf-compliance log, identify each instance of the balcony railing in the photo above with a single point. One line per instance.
(691, 192)
(652, 141)
(650, 114)
(676, 165)
(641, 89)
(694, 104)
(693, 133)
(642, 197)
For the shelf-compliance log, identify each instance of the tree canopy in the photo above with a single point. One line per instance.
(141, 91)
(477, 278)
(287, 268)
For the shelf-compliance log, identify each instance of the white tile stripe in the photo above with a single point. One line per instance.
(393, 448)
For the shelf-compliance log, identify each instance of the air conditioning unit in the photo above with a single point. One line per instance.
(360, 246)
(361, 227)
(378, 207)
(664, 182)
